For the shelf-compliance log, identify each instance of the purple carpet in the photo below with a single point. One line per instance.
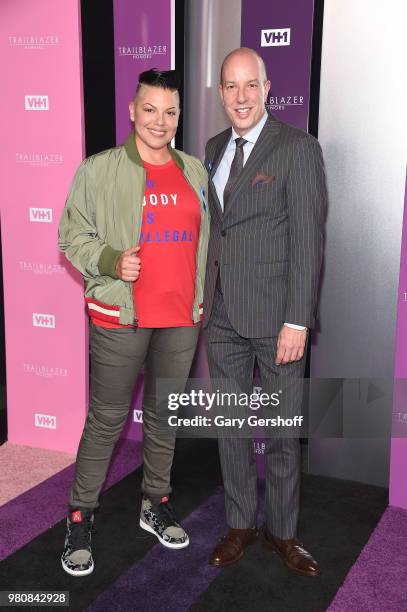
(378, 580)
(29, 514)
(170, 579)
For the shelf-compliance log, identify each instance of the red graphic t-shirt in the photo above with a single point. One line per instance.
(164, 293)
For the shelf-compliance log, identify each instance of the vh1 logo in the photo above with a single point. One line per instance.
(45, 420)
(43, 320)
(276, 38)
(40, 215)
(36, 103)
(137, 416)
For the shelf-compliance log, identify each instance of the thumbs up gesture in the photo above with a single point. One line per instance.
(128, 265)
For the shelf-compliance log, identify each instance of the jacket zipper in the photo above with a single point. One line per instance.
(131, 284)
(197, 250)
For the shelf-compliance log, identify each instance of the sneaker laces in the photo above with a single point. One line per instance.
(167, 514)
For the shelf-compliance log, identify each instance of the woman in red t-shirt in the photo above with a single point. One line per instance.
(164, 266)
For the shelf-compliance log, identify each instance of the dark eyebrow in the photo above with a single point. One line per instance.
(170, 108)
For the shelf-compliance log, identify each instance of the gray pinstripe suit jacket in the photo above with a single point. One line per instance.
(267, 247)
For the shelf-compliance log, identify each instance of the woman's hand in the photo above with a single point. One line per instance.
(128, 265)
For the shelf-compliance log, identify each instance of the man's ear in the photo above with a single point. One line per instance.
(267, 87)
(220, 88)
(131, 110)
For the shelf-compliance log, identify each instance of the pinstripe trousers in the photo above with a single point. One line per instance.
(232, 357)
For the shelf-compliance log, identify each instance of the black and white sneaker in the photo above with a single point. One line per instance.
(160, 520)
(77, 556)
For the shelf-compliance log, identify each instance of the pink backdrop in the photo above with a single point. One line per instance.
(41, 126)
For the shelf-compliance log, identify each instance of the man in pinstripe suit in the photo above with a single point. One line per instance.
(268, 198)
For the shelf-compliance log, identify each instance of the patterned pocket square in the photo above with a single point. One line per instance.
(260, 179)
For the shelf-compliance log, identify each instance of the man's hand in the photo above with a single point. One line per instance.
(128, 265)
(290, 345)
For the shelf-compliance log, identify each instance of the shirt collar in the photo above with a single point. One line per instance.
(253, 134)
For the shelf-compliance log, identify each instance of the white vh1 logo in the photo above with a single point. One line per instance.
(41, 215)
(138, 416)
(36, 103)
(45, 420)
(43, 320)
(276, 38)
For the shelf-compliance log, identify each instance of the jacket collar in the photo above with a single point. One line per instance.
(132, 152)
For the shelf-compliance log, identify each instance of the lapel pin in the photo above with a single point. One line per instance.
(203, 197)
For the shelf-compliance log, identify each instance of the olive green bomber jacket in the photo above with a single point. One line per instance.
(103, 216)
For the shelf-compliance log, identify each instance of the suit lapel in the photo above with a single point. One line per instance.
(220, 148)
(266, 141)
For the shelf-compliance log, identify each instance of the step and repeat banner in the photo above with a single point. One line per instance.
(46, 326)
(143, 39)
(42, 129)
(281, 33)
(45, 320)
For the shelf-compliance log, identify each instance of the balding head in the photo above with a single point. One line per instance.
(243, 53)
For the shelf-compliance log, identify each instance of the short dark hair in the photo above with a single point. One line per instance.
(167, 79)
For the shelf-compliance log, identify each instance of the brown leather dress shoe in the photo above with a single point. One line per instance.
(230, 548)
(293, 554)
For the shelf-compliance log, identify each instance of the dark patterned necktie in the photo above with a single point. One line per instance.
(235, 170)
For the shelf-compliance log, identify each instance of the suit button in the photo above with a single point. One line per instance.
(216, 263)
(223, 233)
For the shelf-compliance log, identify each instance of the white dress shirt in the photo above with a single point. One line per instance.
(223, 170)
(222, 173)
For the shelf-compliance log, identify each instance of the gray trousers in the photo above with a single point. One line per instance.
(117, 356)
(232, 357)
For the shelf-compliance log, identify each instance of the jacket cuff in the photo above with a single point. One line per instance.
(107, 261)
